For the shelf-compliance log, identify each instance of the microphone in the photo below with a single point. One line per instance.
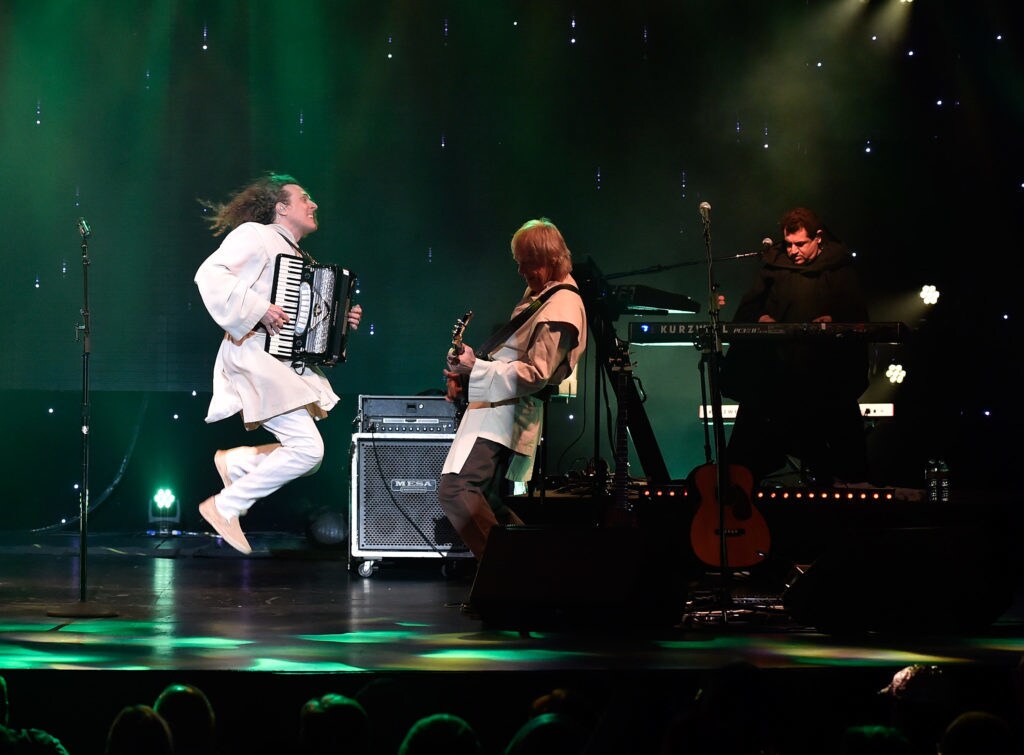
(705, 212)
(84, 229)
(766, 244)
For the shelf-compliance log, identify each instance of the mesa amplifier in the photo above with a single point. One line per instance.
(394, 507)
(406, 414)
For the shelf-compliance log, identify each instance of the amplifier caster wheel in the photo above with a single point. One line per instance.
(365, 569)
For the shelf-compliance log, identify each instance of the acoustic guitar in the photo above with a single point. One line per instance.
(747, 539)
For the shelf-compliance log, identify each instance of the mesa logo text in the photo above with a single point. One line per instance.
(403, 485)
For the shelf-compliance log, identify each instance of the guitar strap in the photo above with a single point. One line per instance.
(517, 322)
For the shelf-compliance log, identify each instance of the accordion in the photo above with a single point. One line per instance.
(316, 299)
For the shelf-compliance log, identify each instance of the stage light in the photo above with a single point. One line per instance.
(164, 508)
(929, 294)
(895, 373)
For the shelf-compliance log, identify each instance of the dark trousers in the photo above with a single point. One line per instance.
(473, 498)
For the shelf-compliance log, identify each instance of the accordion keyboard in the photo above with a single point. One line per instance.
(310, 295)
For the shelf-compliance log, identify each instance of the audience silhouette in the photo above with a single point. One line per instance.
(190, 718)
(874, 740)
(28, 741)
(549, 734)
(139, 730)
(922, 700)
(440, 733)
(977, 733)
(333, 723)
(738, 709)
(392, 706)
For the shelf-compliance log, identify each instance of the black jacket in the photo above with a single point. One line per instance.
(801, 370)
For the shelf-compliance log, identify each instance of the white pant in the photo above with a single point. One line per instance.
(256, 475)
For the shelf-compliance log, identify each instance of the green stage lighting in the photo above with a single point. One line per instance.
(163, 507)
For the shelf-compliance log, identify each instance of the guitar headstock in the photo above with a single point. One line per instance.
(459, 329)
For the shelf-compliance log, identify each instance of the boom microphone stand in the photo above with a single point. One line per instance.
(713, 354)
(719, 483)
(83, 609)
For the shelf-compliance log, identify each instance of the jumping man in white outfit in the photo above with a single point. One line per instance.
(268, 217)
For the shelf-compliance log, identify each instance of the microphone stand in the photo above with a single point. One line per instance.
(83, 609)
(687, 263)
(713, 354)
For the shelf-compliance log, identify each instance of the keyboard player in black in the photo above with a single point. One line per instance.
(798, 398)
(267, 218)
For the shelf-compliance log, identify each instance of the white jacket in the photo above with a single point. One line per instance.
(235, 283)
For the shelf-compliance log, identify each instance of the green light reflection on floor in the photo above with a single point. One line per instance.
(151, 641)
(279, 664)
(207, 642)
(33, 627)
(360, 638)
(1011, 644)
(29, 658)
(517, 656)
(717, 643)
(107, 626)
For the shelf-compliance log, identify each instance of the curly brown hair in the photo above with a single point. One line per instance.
(255, 202)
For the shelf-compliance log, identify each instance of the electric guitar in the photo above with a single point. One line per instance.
(458, 387)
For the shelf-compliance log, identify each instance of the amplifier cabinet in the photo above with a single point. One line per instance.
(394, 507)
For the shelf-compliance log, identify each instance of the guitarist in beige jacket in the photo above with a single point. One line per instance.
(498, 435)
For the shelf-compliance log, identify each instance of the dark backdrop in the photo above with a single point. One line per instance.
(428, 131)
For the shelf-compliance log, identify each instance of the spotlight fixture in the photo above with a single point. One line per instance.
(895, 373)
(164, 508)
(929, 294)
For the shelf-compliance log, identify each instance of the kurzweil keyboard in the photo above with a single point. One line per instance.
(316, 299)
(675, 333)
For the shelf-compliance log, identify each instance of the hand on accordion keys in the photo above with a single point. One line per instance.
(274, 319)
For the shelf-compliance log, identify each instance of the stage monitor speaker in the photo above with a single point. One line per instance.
(394, 507)
(922, 580)
(555, 578)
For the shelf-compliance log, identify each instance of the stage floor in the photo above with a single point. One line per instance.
(192, 603)
(191, 609)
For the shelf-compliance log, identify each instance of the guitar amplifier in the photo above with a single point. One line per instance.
(406, 414)
(394, 507)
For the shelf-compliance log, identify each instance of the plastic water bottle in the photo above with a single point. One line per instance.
(944, 484)
(931, 481)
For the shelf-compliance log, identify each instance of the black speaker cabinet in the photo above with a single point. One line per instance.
(550, 578)
(394, 507)
(921, 580)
